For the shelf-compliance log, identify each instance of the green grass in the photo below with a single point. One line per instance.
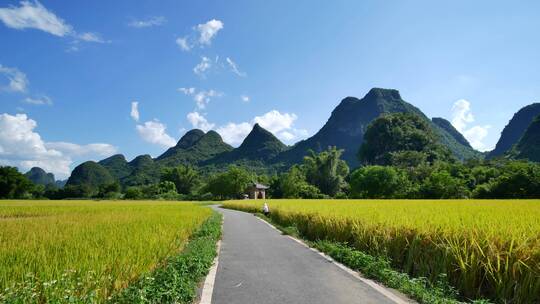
(87, 251)
(484, 249)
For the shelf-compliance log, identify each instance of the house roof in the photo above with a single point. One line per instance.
(259, 186)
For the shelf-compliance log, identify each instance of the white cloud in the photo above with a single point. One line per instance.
(281, 125)
(207, 31)
(234, 67)
(91, 37)
(154, 132)
(199, 121)
(201, 98)
(35, 16)
(461, 117)
(150, 22)
(134, 111)
(233, 133)
(203, 66)
(75, 150)
(183, 43)
(39, 100)
(245, 98)
(24, 148)
(17, 81)
(275, 122)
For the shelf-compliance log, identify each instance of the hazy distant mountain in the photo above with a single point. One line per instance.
(515, 129)
(40, 177)
(349, 120)
(448, 127)
(90, 174)
(528, 146)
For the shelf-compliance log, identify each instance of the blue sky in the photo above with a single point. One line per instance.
(70, 71)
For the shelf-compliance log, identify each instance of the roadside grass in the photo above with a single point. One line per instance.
(177, 279)
(88, 251)
(485, 249)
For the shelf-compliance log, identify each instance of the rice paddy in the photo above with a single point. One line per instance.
(485, 249)
(88, 248)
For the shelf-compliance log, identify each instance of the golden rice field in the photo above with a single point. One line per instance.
(488, 249)
(98, 246)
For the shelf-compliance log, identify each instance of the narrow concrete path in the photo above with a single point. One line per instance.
(259, 265)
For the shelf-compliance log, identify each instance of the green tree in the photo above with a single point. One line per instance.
(293, 184)
(326, 171)
(379, 182)
(398, 132)
(516, 180)
(229, 184)
(185, 178)
(133, 193)
(442, 185)
(14, 184)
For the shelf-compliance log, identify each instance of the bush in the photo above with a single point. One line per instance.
(379, 182)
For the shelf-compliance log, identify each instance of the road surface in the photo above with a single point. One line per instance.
(259, 265)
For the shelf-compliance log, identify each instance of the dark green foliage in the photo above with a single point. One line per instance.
(515, 129)
(515, 180)
(14, 185)
(442, 185)
(379, 182)
(177, 279)
(185, 178)
(133, 193)
(447, 126)
(117, 166)
(230, 184)
(528, 146)
(399, 132)
(293, 184)
(109, 191)
(326, 171)
(39, 177)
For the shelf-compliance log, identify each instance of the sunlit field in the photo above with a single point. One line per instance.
(488, 249)
(88, 247)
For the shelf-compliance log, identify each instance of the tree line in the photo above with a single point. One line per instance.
(400, 156)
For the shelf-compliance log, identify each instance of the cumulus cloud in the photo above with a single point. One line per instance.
(75, 150)
(462, 116)
(149, 22)
(134, 111)
(39, 100)
(245, 98)
(207, 31)
(17, 81)
(280, 124)
(198, 121)
(203, 66)
(201, 98)
(234, 67)
(155, 132)
(183, 43)
(234, 133)
(23, 147)
(202, 36)
(33, 15)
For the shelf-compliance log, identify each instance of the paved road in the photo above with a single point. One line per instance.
(258, 265)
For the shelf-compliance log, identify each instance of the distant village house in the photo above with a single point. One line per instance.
(256, 191)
